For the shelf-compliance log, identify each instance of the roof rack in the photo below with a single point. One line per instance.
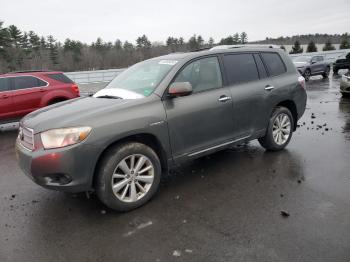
(218, 47)
(29, 71)
(201, 49)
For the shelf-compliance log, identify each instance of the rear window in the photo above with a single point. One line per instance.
(61, 78)
(24, 82)
(4, 84)
(240, 68)
(274, 63)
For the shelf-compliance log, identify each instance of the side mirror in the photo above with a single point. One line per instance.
(313, 62)
(180, 89)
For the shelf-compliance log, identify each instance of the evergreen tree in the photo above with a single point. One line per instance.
(15, 35)
(296, 49)
(34, 41)
(143, 42)
(244, 38)
(4, 39)
(52, 46)
(118, 44)
(192, 43)
(311, 47)
(227, 41)
(200, 41)
(344, 43)
(236, 39)
(211, 42)
(328, 46)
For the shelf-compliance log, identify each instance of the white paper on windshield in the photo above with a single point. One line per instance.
(167, 62)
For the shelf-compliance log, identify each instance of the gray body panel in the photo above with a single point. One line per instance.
(184, 127)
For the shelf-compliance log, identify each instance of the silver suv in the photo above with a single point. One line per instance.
(158, 114)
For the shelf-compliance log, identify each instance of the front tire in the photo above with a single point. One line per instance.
(128, 176)
(307, 74)
(326, 73)
(279, 130)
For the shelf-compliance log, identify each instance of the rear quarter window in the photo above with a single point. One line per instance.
(274, 63)
(60, 78)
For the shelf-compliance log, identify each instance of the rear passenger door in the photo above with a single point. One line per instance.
(249, 85)
(27, 93)
(6, 103)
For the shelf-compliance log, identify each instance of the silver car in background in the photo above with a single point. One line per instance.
(312, 65)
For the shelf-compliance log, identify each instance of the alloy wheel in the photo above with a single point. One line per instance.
(281, 129)
(132, 178)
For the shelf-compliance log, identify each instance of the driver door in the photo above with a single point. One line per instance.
(201, 121)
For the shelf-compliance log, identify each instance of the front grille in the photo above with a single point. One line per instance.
(26, 137)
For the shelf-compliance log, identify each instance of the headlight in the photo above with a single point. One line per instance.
(56, 138)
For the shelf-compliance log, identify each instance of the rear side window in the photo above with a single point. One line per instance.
(240, 68)
(274, 63)
(61, 78)
(24, 82)
(4, 84)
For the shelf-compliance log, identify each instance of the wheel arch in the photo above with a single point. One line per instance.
(291, 106)
(56, 100)
(145, 138)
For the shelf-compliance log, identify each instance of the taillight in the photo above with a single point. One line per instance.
(75, 89)
(301, 81)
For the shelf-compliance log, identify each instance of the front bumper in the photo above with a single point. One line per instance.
(68, 169)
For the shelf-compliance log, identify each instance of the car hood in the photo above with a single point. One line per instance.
(76, 112)
(300, 64)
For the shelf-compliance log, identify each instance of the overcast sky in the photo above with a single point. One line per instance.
(111, 19)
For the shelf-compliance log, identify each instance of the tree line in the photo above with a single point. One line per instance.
(304, 39)
(28, 51)
(328, 46)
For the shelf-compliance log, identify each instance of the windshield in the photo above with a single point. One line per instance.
(302, 59)
(139, 80)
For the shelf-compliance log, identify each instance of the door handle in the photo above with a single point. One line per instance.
(224, 98)
(268, 87)
(4, 96)
(42, 90)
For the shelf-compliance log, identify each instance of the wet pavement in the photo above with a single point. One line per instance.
(225, 207)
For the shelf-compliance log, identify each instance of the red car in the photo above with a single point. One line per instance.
(24, 92)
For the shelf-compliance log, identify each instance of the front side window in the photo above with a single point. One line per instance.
(274, 63)
(24, 82)
(4, 84)
(203, 74)
(240, 68)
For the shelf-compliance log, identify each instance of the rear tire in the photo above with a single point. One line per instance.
(119, 184)
(279, 130)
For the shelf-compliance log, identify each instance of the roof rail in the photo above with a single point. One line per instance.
(201, 49)
(242, 46)
(29, 71)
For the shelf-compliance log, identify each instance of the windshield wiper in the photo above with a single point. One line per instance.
(109, 96)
